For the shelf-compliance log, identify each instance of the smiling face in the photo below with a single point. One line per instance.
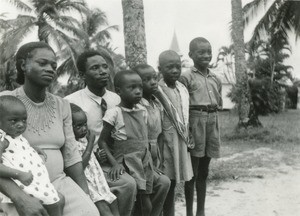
(96, 72)
(149, 79)
(201, 54)
(13, 119)
(79, 124)
(40, 67)
(130, 90)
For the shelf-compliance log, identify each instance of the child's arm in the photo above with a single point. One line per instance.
(7, 172)
(117, 169)
(89, 149)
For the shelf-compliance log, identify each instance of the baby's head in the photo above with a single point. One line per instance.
(79, 120)
(149, 78)
(13, 116)
(129, 86)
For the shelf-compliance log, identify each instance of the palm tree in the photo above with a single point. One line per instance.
(241, 87)
(134, 32)
(93, 32)
(48, 16)
(280, 17)
(226, 57)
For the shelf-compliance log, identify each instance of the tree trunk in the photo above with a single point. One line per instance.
(134, 32)
(240, 61)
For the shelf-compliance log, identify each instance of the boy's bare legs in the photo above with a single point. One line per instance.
(169, 206)
(57, 208)
(103, 208)
(146, 205)
(200, 168)
(114, 208)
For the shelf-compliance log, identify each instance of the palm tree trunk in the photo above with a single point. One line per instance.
(240, 61)
(134, 32)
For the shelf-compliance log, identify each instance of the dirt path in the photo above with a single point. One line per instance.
(276, 194)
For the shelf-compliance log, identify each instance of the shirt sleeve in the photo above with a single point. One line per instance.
(70, 150)
(111, 116)
(184, 79)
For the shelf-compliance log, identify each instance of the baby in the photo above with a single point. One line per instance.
(20, 161)
(99, 191)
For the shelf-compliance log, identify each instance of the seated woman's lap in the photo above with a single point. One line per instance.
(77, 203)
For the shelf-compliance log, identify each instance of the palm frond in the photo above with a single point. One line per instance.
(20, 5)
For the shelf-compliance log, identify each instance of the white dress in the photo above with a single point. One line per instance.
(21, 156)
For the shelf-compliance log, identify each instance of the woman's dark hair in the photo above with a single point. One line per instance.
(25, 52)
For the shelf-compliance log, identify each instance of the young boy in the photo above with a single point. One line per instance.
(154, 124)
(205, 100)
(99, 191)
(126, 124)
(176, 161)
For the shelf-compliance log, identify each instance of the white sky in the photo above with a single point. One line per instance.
(189, 18)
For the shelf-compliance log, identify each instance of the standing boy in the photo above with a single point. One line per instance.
(205, 100)
(175, 160)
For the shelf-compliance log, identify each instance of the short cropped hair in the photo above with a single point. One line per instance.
(82, 58)
(25, 52)
(7, 101)
(139, 67)
(196, 41)
(119, 77)
(75, 108)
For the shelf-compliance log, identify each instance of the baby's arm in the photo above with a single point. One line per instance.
(117, 169)
(89, 149)
(7, 172)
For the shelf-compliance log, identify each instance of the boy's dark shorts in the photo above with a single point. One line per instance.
(204, 127)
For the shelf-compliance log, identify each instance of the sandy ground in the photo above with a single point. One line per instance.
(277, 193)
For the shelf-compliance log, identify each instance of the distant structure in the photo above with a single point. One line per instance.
(174, 44)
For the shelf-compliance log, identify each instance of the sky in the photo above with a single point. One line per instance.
(188, 18)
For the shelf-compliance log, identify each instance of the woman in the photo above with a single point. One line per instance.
(50, 128)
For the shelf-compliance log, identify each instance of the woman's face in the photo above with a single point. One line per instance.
(40, 67)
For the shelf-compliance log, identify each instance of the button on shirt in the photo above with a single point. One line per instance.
(203, 89)
(91, 105)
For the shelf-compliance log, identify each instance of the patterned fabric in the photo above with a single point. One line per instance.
(175, 158)
(181, 124)
(98, 187)
(21, 156)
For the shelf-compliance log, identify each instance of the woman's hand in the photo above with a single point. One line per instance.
(25, 178)
(116, 171)
(29, 206)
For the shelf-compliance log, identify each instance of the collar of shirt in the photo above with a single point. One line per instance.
(135, 108)
(199, 72)
(94, 97)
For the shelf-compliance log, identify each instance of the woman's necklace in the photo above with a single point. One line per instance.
(40, 116)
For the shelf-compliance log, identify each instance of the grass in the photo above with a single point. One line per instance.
(255, 152)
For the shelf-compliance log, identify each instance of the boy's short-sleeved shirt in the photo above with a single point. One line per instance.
(115, 118)
(203, 90)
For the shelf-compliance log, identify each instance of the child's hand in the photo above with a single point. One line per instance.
(101, 156)
(90, 137)
(116, 171)
(26, 178)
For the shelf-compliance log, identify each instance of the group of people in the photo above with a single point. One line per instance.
(98, 152)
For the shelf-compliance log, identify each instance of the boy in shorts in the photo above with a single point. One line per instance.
(205, 99)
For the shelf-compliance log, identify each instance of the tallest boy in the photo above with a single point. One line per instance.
(205, 100)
